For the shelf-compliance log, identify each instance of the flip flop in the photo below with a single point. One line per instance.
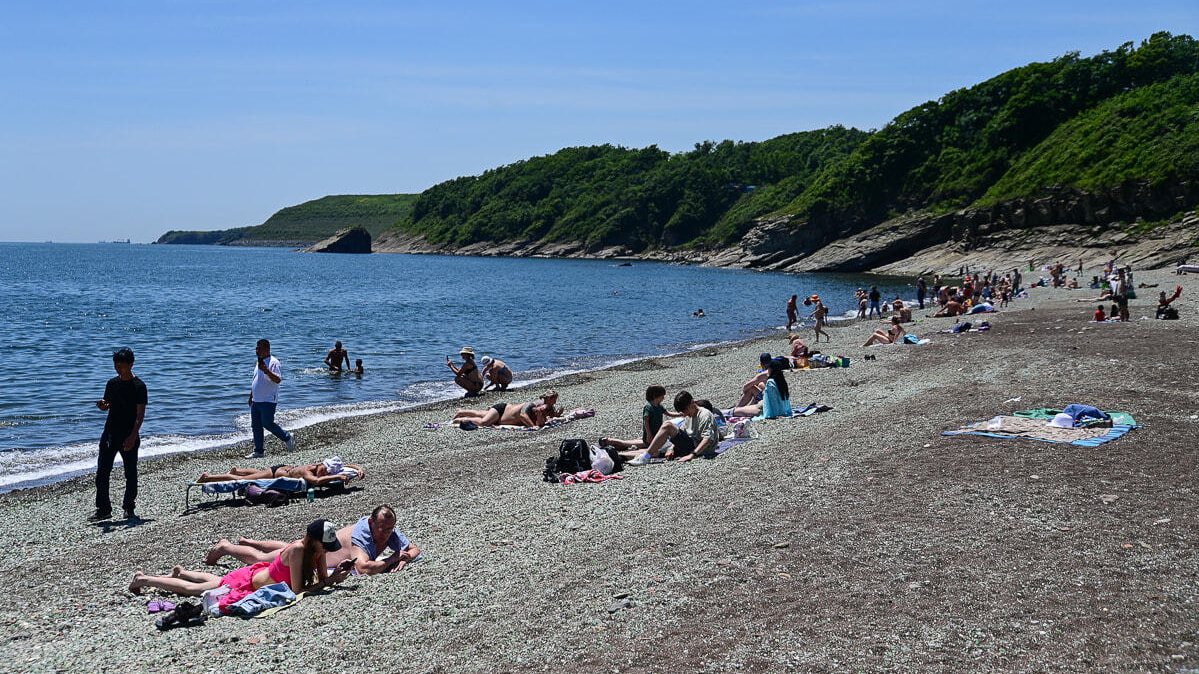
(154, 606)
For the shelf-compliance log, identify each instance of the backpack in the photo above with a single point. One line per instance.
(573, 456)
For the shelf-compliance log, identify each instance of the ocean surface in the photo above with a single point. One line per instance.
(192, 314)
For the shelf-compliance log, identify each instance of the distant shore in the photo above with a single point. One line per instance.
(858, 538)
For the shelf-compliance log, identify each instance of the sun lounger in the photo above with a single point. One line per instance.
(291, 486)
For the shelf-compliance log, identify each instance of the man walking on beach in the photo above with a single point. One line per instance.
(792, 311)
(264, 397)
(125, 401)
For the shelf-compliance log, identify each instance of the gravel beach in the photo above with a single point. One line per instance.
(859, 539)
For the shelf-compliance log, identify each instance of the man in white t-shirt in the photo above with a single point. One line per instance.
(264, 397)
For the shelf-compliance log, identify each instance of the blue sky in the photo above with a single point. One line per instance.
(126, 119)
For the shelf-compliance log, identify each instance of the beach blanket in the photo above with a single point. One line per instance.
(1034, 425)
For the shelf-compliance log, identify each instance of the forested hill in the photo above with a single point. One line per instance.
(1093, 124)
(309, 222)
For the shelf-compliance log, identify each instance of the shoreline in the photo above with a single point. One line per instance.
(858, 538)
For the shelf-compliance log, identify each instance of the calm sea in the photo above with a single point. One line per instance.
(192, 314)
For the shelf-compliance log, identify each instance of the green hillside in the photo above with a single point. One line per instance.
(310, 221)
(641, 198)
(1090, 122)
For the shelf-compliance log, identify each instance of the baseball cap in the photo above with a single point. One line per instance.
(326, 533)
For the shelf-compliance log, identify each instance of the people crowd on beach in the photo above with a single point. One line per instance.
(691, 428)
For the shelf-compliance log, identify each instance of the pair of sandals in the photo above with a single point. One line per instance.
(870, 356)
(186, 614)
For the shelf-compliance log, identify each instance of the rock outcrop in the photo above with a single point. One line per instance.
(349, 240)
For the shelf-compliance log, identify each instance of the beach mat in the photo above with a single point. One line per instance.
(1038, 428)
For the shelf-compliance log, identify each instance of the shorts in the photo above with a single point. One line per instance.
(683, 444)
(243, 578)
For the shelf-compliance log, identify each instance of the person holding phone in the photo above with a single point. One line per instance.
(125, 401)
(264, 398)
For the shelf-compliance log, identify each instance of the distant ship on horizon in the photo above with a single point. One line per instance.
(116, 241)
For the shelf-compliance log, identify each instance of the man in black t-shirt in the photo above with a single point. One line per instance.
(125, 401)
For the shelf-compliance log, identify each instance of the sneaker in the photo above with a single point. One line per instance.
(640, 460)
(291, 443)
(255, 455)
(129, 514)
(100, 515)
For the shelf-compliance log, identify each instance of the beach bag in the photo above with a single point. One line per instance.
(911, 339)
(267, 596)
(602, 461)
(573, 456)
(268, 497)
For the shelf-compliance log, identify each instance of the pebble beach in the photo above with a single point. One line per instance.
(859, 539)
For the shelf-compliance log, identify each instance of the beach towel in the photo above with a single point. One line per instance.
(291, 484)
(1034, 425)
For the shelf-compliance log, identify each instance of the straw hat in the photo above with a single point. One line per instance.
(467, 351)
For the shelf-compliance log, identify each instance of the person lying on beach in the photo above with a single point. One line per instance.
(751, 391)
(497, 372)
(467, 375)
(1103, 297)
(317, 474)
(363, 542)
(532, 414)
(776, 398)
(892, 336)
(697, 437)
(301, 564)
(652, 415)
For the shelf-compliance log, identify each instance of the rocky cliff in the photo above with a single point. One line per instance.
(1150, 225)
(349, 240)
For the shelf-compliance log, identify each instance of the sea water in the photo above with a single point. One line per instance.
(192, 315)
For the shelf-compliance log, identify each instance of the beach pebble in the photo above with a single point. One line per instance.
(623, 604)
(1109, 498)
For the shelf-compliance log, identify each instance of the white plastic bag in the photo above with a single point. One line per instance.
(601, 461)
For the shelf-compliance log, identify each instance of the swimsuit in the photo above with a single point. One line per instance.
(280, 572)
(500, 407)
(275, 469)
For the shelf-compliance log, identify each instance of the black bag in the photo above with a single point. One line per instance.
(617, 459)
(574, 456)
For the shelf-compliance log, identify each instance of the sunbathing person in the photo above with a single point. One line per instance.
(364, 542)
(799, 348)
(301, 564)
(892, 336)
(317, 474)
(1104, 296)
(531, 415)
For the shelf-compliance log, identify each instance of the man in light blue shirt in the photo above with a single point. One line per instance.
(374, 535)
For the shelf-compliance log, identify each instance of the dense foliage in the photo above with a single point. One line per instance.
(641, 198)
(310, 221)
(1149, 134)
(947, 153)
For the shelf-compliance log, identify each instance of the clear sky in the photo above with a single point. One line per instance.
(126, 119)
